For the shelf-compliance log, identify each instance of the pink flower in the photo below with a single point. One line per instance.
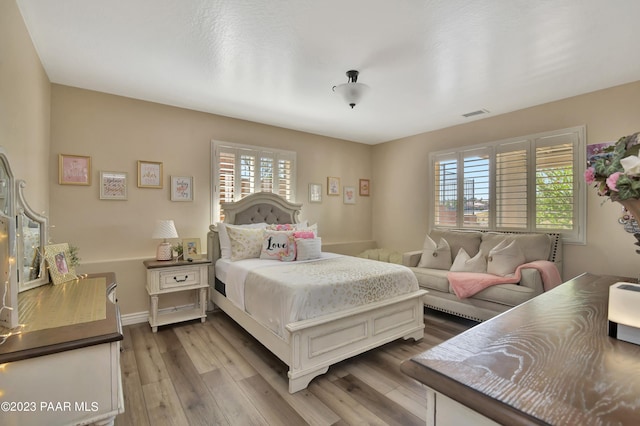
(590, 175)
(612, 180)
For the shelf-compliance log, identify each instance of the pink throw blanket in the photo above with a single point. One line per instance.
(466, 284)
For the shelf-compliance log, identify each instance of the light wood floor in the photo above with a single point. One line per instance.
(216, 373)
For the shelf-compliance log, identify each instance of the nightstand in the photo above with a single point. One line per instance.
(170, 276)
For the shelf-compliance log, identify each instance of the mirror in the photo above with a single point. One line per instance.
(31, 238)
(8, 281)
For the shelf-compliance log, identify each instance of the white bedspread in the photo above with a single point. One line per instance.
(278, 293)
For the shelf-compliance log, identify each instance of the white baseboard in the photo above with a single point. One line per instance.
(135, 318)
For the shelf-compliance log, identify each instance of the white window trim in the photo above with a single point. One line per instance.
(578, 236)
(257, 150)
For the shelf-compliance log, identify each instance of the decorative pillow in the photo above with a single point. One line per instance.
(304, 234)
(310, 228)
(308, 248)
(223, 236)
(278, 245)
(504, 259)
(435, 256)
(281, 227)
(464, 263)
(246, 243)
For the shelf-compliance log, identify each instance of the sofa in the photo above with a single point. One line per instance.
(471, 251)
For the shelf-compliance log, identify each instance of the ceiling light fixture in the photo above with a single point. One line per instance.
(351, 91)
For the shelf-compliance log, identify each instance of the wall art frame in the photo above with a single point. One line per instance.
(181, 188)
(349, 195)
(333, 185)
(113, 185)
(74, 169)
(364, 187)
(315, 193)
(149, 174)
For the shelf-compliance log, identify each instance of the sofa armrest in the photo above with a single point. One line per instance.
(411, 258)
(531, 278)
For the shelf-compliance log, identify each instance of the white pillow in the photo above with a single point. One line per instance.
(504, 258)
(464, 263)
(435, 256)
(308, 248)
(223, 236)
(278, 245)
(246, 243)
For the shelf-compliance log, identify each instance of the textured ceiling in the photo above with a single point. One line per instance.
(275, 61)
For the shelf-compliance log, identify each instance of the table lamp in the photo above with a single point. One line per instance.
(164, 229)
(624, 319)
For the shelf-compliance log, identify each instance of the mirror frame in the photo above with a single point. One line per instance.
(24, 210)
(9, 317)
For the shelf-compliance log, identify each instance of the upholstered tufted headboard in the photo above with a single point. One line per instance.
(255, 208)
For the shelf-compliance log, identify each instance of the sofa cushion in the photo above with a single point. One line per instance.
(468, 240)
(504, 258)
(464, 263)
(432, 279)
(505, 294)
(533, 246)
(435, 256)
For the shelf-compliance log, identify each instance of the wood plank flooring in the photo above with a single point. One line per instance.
(217, 374)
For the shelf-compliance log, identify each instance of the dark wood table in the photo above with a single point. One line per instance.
(547, 361)
(68, 337)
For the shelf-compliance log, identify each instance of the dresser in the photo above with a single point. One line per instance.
(547, 361)
(64, 368)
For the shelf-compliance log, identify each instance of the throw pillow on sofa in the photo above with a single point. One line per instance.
(505, 258)
(464, 263)
(435, 256)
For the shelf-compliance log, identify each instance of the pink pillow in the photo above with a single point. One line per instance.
(304, 234)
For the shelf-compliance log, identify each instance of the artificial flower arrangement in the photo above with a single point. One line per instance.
(615, 170)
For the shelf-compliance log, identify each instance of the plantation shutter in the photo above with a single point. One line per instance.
(475, 188)
(241, 170)
(554, 187)
(446, 190)
(530, 183)
(512, 185)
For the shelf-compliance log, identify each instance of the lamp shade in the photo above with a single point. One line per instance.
(164, 229)
(352, 93)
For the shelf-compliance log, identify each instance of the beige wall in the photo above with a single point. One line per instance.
(38, 121)
(400, 217)
(24, 107)
(116, 132)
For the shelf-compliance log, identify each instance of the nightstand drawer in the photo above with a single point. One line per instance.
(182, 277)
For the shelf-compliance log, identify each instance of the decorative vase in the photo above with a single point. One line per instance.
(633, 206)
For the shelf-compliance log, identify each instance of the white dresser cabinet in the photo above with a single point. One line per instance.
(67, 375)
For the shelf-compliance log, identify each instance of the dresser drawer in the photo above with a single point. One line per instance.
(182, 277)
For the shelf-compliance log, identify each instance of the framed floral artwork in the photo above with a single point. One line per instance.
(349, 195)
(181, 188)
(333, 185)
(113, 185)
(58, 259)
(74, 170)
(149, 174)
(365, 186)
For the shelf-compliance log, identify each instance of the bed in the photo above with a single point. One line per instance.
(310, 346)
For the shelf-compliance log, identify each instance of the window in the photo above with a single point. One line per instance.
(240, 170)
(532, 183)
